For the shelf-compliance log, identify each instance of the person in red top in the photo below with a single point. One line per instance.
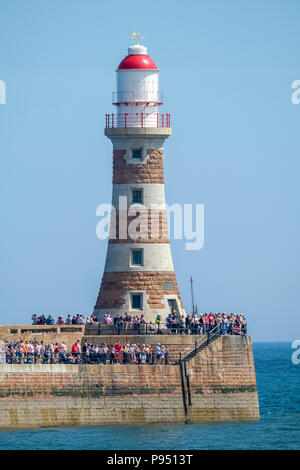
(118, 348)
(211, 321)
(76, 348)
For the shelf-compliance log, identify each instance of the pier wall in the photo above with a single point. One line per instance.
(47, 333)
(218, 384)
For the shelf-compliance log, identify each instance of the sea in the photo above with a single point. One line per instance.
(278, 381)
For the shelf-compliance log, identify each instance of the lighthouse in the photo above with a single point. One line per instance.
(139, 275)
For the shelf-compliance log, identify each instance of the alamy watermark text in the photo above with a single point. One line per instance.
(137, 221)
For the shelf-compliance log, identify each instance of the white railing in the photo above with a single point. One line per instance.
(137, 120)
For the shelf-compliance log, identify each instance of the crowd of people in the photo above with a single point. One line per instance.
(204, 323)
(35, 352)
(125, 353)
(174, 323)
(70, 320)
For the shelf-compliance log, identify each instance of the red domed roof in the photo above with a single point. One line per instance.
(137, 61)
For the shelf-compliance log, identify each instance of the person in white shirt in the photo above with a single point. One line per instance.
(158, 352)
(37, 352)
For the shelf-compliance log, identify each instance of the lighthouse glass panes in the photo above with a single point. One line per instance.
(139, 272)
(137, 154)
(137, 257)
(137, 196)
(137, 301)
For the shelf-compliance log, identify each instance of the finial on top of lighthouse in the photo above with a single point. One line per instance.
(137, 48)
(136, 36)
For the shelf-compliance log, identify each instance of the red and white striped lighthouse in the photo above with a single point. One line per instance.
(139, 274)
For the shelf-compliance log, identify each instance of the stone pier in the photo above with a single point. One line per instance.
(217, 384)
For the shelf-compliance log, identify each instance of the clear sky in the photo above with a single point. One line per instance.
(226, 69)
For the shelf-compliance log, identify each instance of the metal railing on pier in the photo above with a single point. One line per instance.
(136, 329)
(202, 342)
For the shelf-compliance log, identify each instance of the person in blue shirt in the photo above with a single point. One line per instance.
(50, 320)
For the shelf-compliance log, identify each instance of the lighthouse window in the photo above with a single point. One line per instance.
(137, 154)
(137, 257)
(136, 301)
(137, 196)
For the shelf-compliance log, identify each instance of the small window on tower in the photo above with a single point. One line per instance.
(137, 257)
(137, 301)
(137, 154)
(137, 196)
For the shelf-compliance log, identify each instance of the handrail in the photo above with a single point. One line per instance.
(161, 328)
(209, 334)
(205, 340)
(138, 328)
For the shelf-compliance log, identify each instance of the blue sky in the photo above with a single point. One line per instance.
(226, 69)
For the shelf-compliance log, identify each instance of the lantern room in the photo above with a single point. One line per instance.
(137, 96)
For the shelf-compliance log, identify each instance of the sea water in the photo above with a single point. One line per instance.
(278, 381)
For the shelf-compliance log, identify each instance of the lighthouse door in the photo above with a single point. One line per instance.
(173, 306)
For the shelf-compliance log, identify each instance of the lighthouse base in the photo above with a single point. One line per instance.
(158, 290)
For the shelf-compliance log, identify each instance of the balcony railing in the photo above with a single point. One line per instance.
(135, 97)
(137, 120)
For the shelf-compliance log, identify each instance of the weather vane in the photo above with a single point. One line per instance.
(136, 36)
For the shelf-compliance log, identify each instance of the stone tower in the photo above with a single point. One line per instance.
(139, 274)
